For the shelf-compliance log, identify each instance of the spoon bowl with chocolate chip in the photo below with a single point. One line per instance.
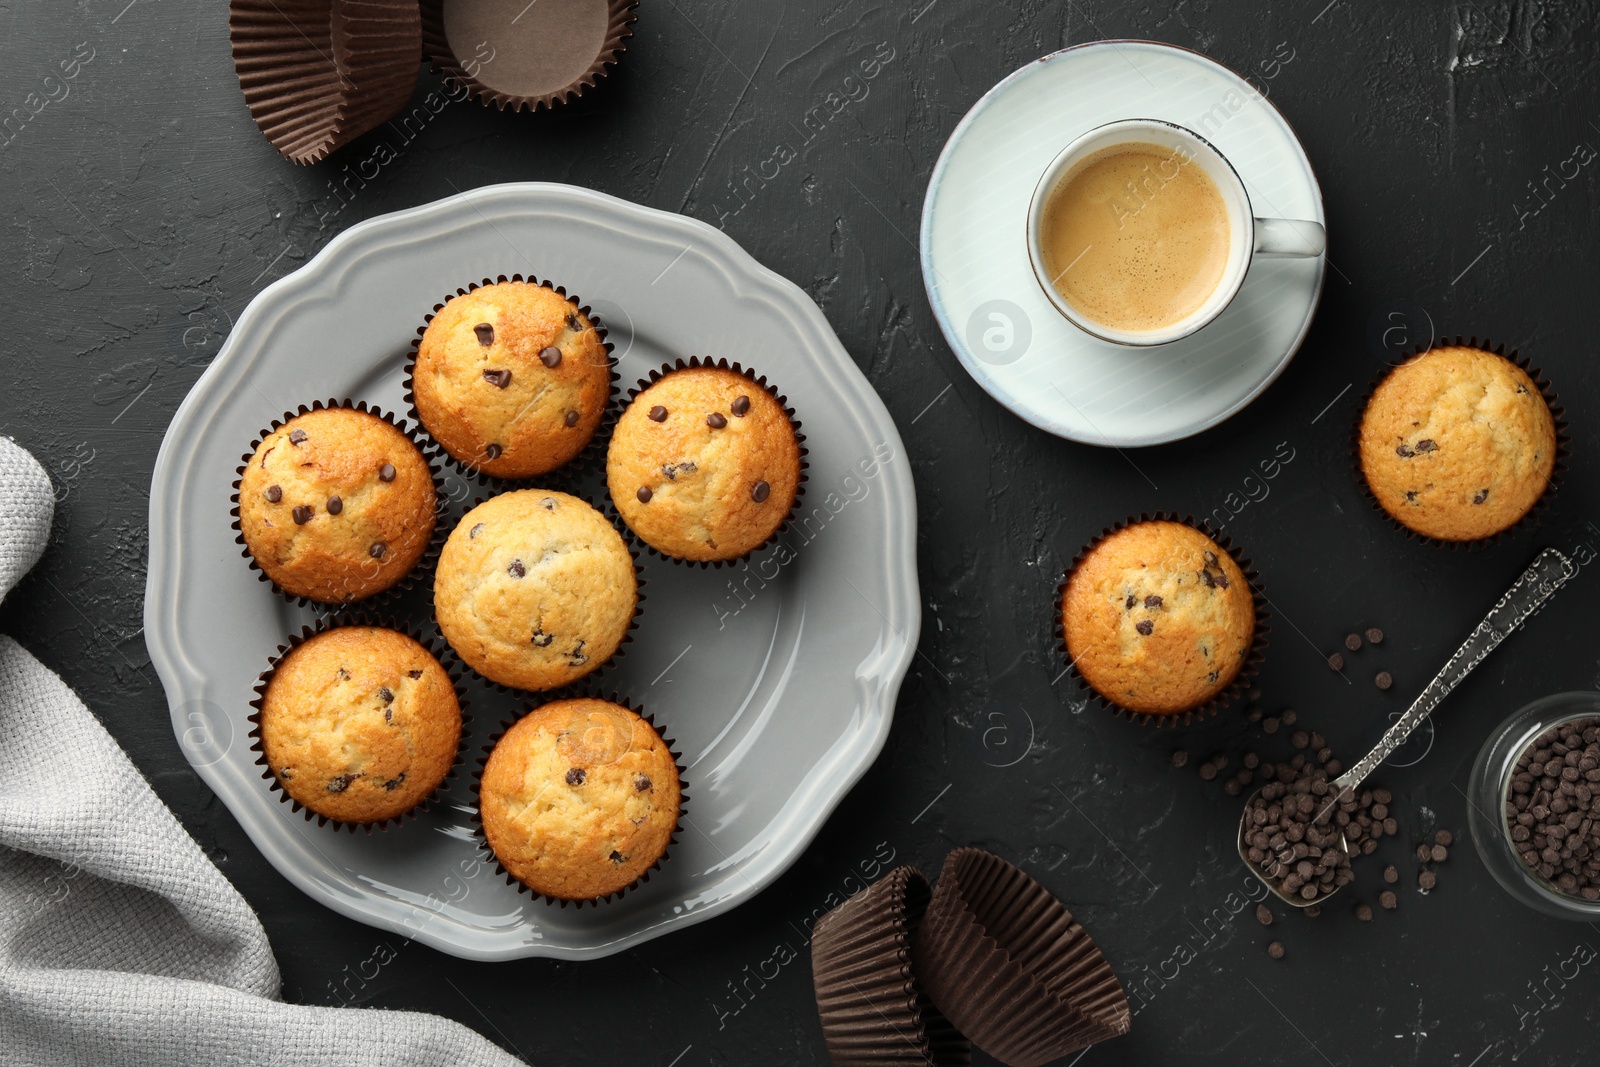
(1297, 832)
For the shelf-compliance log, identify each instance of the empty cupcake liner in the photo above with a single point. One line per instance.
(477, 789)
(560, 16)
(1253, 659)
(873, 1010)
(317, 74)
(759, 381)
(437, 648)
(1009, 966)
(424, 563)
(1557, 471)
(581, 685)
(558, 477)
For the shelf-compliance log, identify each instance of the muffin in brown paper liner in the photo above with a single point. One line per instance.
(583, 685)
(1253, 659)
(1558, 470)
(760, 381)
(477, 813)
(873, 1011)
(434, 647)
(436, 539)
(1009, 966)
(566, 474)
(524, 55)
(317, 74)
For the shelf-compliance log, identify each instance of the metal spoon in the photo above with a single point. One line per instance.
(1549, 572)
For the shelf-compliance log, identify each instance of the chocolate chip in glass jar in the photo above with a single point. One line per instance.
(302, 514)
(716, 420)
(274, 493)
(297, 437)
(576, 776)
(497, 378)
(740, 406)
(335, 505)
(386, 472)
(658, 414)
(550, 356)
(644, 494)
(485, 334)
(760, 492)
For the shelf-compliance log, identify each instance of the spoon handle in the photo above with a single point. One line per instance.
(1549, 572)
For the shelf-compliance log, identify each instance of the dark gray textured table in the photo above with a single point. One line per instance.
(143, 210)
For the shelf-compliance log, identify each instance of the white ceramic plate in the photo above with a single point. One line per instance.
(776, 680)
(1004, 329)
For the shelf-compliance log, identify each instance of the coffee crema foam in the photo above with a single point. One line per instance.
(1136, 236)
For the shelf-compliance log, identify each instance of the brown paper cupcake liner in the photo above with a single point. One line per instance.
(441, 523)
(580, 686)
(317, 74)
(873, 1010)
(1010, 967)
(567, 473)
(760, 381)
(477, 789)
(1253, 659)
(1557, 472)
(620, 16)
(436, 647)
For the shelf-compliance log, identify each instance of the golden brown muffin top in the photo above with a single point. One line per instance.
(360, 723)
(579, 799)
(535, 589)
(1457, 443)
(1158, 618)
(704, 464)
(336, 505)
(512, 379)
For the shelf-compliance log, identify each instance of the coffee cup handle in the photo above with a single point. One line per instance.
(1290, 238)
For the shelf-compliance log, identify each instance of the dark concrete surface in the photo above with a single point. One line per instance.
(143, 211)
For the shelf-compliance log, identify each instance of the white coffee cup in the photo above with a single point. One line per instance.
(1248, 235)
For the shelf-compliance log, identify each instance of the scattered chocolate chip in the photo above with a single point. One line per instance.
(386, 694)
(1480, 496)
(1427, 880)
(1383, 680)
(493, 451)
(1364, 913)
(658, 414)
(485, 334)
(377, 549)
(1269, 725)
(760, 492)
(716, 420)
(1232, 787)
(550, 357)
(1264, 915)
(644, 494)
(302, 514)
(1145, 626)
(542, 639)
(1289, 716)
(1374, 636)
(477, 528)
(1391, 874)
(1208, 771)
(296, 436)
(1276, 950)
(1312, 912)
(641, 783)
(497, 378)
(1439, 853)
(1152, 601)
(386, 472)
(1180, 758)
(1427, 444)
(1424, 852)
(1445, 838)
(1388, 900)
(1336, 662)
(340, 784)
(335, 505)
(576, 775)
(740, 406)
(571, 418)
(517, 570)
(274, 493)
(1353, 642)
(1300, 739)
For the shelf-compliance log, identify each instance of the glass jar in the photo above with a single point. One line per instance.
(1490, 786)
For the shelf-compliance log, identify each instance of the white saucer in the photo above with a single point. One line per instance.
(1009, 336)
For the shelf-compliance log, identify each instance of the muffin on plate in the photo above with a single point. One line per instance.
(511, 378)
(1457, 443)
(579, 799)
(1158, 618)
(535, 589)
(359, 723)
(336, 505)
(704, 464)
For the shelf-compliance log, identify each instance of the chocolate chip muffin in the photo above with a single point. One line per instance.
(704, 464)
(336, 505)
(1457, 443)
(579, 799)
(359, 724)
(535, 589)
(511, 378)
(1158, 618)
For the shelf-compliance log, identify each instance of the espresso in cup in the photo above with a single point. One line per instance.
(1136, 236)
